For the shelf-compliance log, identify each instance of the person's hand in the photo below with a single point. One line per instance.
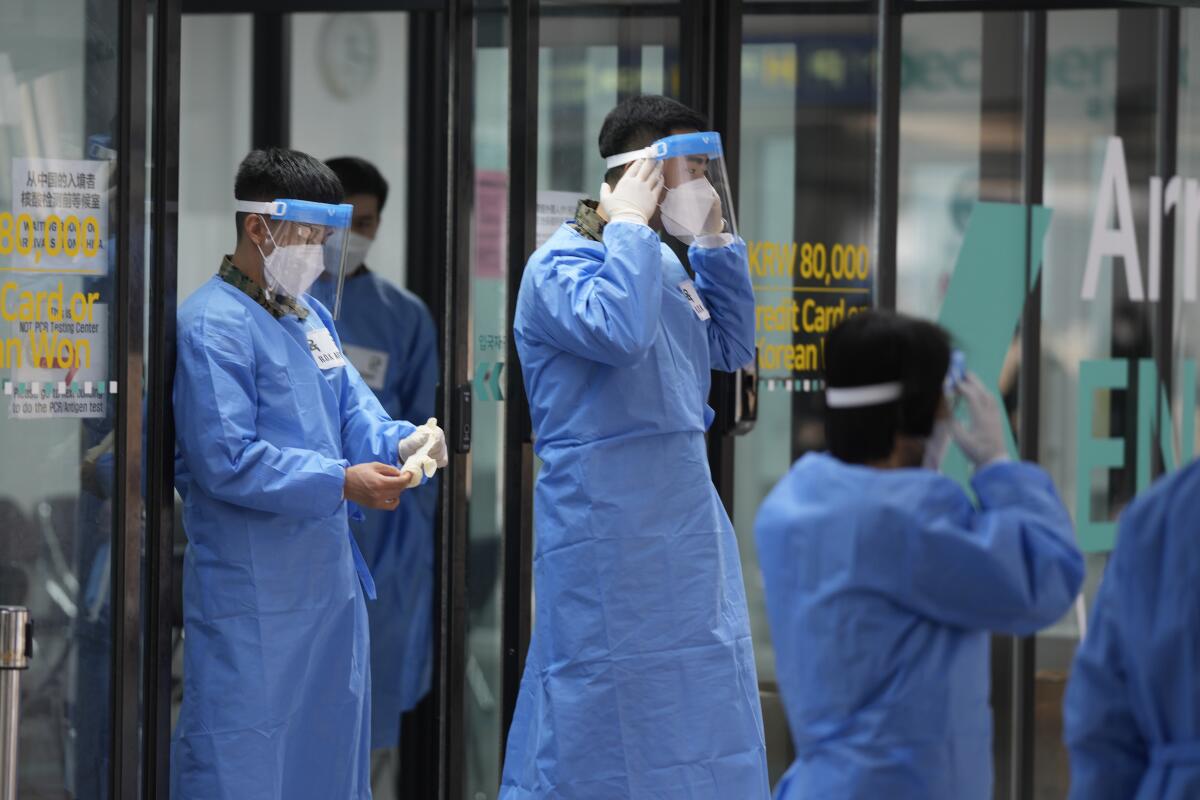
(428, 434)
(637, 194)
(983, 442)
(714, 234)
(715, 222)
(376, 485)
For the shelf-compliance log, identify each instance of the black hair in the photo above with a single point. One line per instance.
(641, 120)
(276, 172)
(874, 347)
(359, 176)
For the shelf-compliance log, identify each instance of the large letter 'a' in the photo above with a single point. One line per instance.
(1121, 241)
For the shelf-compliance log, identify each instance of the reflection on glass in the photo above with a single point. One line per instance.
(214, 136)
(586, 66)
(349, 97)
(58, 223)
(808, 95)
(948, 128)
(1085, 340)
(1185, 347)
(939, 153)
(487, 332)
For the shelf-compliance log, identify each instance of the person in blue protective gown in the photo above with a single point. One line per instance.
(883, 579)
(640, 679)
(388, 334)
(1132, 710)
(279, 441)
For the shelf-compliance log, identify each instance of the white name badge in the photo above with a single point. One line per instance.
(693, 297)
(371, 364)
(323, 349)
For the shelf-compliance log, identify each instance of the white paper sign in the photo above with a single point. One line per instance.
(59, 217)
(58, 364)
(553, 209)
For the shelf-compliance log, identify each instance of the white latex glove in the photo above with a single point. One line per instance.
(424, 450)
(637, 194)
(983, 442)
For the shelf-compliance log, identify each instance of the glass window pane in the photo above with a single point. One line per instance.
(350, 98)
(807, 193)
(214, 136)
(58, 364)
(961, 154)
(939, 153)
(488, 332)
(1185, 349)
(1091, 343)
(587, 64)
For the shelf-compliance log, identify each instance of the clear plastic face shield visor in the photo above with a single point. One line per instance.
(304, 239)
(698, 198)
(878, 394)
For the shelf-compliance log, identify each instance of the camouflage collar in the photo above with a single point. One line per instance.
(278, 307)
(588, 221)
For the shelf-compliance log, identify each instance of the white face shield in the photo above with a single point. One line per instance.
(698, 200)
(305, 239)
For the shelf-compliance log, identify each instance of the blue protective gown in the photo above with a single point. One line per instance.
(389, 335)
(1132, 711)
(640, 680)
(881, 588)
(276, 664)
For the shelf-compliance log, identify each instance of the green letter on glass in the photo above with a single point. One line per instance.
(1092, 453)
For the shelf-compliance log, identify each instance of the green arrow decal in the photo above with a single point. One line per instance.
(987, 294)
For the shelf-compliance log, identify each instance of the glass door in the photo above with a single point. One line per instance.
(487, 330)
(806, 209)
(72, 239)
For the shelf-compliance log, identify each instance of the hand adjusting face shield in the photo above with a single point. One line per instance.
(698, 200)
(304, 239)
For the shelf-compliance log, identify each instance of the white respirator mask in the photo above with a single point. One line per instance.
(357, 247)
(686, 209)
(292, 269)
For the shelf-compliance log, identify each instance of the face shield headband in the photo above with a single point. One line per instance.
(877, 394)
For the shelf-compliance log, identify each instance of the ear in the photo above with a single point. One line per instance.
(254, 229)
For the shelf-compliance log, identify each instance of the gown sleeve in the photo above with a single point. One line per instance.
(1109, 755)
(607, 313)
(1010, 566)
(723, 281)
(368, 433)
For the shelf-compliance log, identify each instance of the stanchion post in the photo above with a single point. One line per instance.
(16, 647)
